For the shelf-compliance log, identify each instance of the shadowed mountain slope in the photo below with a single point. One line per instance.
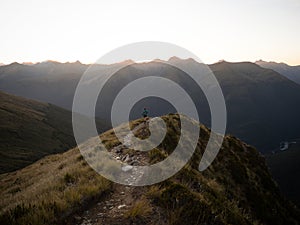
(291, 72)
(261, 103)
(30, 130)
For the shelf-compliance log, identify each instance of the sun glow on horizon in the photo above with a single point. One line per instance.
(67, 31)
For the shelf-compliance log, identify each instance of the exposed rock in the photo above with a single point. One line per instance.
(127, 168)
(121, 206)
(127, 159)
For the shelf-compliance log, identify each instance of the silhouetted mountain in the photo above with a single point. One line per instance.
(261, 103)
(31, 129)
(236, 189)
(48, 81)
(291, 72)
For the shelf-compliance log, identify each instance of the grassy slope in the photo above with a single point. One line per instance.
(236, 189)
(30, 130)
(49, 189)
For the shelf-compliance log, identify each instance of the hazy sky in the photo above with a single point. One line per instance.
(234, 30)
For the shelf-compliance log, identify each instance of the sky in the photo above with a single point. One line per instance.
(231, 30)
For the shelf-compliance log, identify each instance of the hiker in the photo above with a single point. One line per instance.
(145, 113)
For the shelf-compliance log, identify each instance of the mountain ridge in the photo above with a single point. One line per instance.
(236, 189)
(157, 59)
(290, 72)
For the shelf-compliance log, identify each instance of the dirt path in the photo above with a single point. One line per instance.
(112, 208)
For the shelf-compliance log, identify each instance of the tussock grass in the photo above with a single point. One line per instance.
(49, 190)
(157, 155)
(140, 210)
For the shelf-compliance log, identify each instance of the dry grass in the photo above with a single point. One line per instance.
(48, 189)
(140, 210)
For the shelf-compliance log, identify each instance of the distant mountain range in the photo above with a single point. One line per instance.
(291, 72)
(261, 103)
(31, 130)
(237, 188)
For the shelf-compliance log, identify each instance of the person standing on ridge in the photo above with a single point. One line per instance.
(145, 114)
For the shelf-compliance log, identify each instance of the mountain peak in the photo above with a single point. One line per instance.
(128, 61)
(15, 64)
(262, 62)
(78, 62)
(51, 62)
(174, 58)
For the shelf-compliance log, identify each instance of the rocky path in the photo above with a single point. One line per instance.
(112, 209)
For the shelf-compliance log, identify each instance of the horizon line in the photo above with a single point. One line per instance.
(138, 62)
